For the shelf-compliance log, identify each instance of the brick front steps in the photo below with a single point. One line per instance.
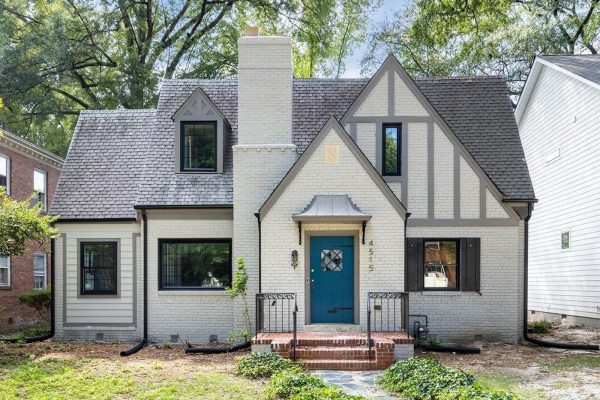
(338, 351)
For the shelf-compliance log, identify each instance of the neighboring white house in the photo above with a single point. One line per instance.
(559, 121)
(329, 188)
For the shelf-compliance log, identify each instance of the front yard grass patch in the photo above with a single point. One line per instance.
(511, 383)
(88, 378)
(425, 379)
(574, 362)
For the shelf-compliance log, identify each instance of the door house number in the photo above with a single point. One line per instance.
(371, 252)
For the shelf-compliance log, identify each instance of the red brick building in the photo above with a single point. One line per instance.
(24, 169)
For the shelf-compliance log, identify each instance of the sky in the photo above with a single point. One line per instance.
(388, 8)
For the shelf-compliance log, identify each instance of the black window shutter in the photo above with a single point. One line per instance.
(414, 265)
(470, 264)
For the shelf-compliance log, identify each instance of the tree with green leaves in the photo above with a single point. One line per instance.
(21, 223)
(59, 57)
(481, 37)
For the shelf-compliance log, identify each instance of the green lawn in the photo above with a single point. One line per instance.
(511, 383)
(87, 378)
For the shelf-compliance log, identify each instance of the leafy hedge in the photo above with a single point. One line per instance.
(288, 381)
(426, 379)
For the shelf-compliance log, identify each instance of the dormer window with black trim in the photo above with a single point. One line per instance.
(198, 146)
(392, 150)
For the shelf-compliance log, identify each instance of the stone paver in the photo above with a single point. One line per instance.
(361, 383)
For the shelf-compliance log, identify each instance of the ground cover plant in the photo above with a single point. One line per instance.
(264, 365)
(426, 379)
(542, 326)
(288, 380)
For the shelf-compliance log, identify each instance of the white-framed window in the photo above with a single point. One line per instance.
(39, 187)
(565, 240)
(39, 270)
(4, 270)
(5, 172)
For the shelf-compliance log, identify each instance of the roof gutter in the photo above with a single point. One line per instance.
(543, 343)
(185, 206)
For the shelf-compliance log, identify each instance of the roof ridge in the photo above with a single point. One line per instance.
(119, 111)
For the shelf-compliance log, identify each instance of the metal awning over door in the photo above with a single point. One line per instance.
(331, 209)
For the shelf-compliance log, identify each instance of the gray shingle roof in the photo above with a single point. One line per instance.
(102, 171)
(477, 109)
(587, 66)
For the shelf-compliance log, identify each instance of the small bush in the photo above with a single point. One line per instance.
(425, 379)
(263, 365)
(39, 299)
(287, 383)
(542, 326)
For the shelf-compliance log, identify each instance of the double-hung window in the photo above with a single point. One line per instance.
(198, 146)
(39, 187)
(4, 271)
(392, 150)
(190, 264)
(441, 264)
(39, 270)
(5, 172)
(98, 267)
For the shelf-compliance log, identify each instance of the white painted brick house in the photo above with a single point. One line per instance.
(329, 188)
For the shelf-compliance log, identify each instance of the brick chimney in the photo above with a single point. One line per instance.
(265, 76)
(265, 151)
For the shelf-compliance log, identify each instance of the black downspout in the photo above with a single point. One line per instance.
(144, 340)
(257, 215)
(406, 255)
(544, 343)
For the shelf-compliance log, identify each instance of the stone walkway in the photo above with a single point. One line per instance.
(361, 383)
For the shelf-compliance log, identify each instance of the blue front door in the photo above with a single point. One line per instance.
(332, 279)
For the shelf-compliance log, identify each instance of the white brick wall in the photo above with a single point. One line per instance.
(191, 314)
(367, 140)
(443, 151)
(405, 102)
(375, 105)
(469, 191)
(257, 170)
(493, 209)
(496, 314)
(417, 170)
(385, 230)
(264, 90)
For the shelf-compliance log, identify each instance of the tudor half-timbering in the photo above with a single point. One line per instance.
(330, 189)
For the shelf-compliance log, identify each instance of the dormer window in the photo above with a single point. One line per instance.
(198, 146)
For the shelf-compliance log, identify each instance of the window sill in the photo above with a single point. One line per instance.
(450, 293)
(209, 292)
(392, 178)
(5, 287)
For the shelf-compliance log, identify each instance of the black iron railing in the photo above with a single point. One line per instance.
(386, 312)
(277, 313)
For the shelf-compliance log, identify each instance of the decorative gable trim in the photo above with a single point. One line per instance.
(203, 106)
(333, 124)
(390, 66)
